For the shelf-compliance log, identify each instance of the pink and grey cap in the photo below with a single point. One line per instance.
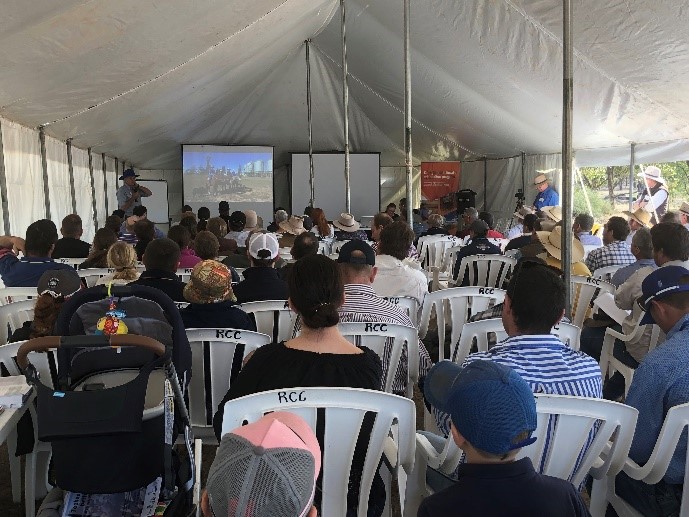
(266, 468)
(263, 242)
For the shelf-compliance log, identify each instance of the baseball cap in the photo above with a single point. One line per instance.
(489, 403)
(129, 173)
(59, 283)
(345, 256)
(265, 468)
(210, 282)
(662, 282)
(263, 241)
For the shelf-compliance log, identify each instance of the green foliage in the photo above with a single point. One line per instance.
(599, 206)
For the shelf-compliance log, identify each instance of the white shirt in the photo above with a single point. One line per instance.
(239, 237)
(395, 278)
(656, 200)
(515, 231)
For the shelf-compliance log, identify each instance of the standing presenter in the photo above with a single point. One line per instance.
(129, 195)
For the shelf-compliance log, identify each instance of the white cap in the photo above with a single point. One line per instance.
(263, 241)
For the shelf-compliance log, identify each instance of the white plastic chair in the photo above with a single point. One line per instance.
(15, 294)
(212, 355)
(74, 262)
(184, 273)
(92, 275)
(485, 270)
(273, 317)
(410, 305)
(457, 303)
(563, 432)
(588, 248)
(388, 340)
(324, 247)
(584, 290)
(344, 410)
(676, 421)
(569, 334)
(606, 273)
(501, 243)
(13, 315)
(432, 250)
(609, 364)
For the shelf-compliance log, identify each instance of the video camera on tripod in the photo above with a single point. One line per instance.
(520, 197)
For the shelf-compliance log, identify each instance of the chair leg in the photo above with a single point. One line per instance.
(30, 484)
(15, 467)
(599, 501)
(198, 450)
(416, 489)
(42, 484)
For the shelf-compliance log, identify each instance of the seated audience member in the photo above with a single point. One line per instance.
(487, 218)
(528, 227)
(252, 221)
(348, 228)
(581, 228)
(670, 217)
(615, 251)
(637, 219)
(357, 267)
(305, 245)
(41, 237)
(279, 216)
(469, 215)
(308, 223)
(321, 227)
(206, 245)
(290, 229)
(397, 276)
(391, 210)
(493, 415)
(162, 261)
(71, 245)
(380, 221)
(211, 301)
(102, 241)
(478, 245)
(119, 213)
(217, 226)
(180, 234)
(237, 231)
(534, 304)
(660, 383)
(189, 222)
(145, 233)
(54, 287)
(114, 223)
(642, 249)
(122, 258)
(281, 443)
(307, 211)
(186, 209)
(203, 214)
(261, 279)
(436, 226)
(551, 217)
(142, 213)
(127, 234)
(518, 228)
(552, 245)
(224, 212)
(684, 214)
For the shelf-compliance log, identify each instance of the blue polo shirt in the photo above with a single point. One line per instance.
(25, 272)
(547, 198)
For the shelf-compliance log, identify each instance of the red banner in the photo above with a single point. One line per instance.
(439, 179)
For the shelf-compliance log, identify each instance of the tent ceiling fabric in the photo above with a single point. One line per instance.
(136, 79)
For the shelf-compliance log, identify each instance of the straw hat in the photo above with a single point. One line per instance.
(346, 223)
(553, 212)
(653, 173)
(210, 282)
(251, 220)
(541, 178)
(684, 208)
(641, 216)
(552, 242)
(523, 211)
(293, 225)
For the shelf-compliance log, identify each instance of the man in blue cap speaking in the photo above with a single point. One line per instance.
(129, 195)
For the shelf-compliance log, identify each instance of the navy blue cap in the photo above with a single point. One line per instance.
(129, 173)
(345, 256)
(662, 282)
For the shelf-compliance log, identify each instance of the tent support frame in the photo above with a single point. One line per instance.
(3, 188)
(407, 116)
(93, 190)
(44, 166)
(567, 111)
(312, 190)
(70, 169)
(345, 107)
(632, 165)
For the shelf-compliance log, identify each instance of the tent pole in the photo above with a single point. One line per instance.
(407, 116)
(345, 105)
(93, 191)
(567, 96)
(3, 188)
(70, 168)
(44, 164)
(485, 184)
(308, 114)
(523, 172)
(632, 157)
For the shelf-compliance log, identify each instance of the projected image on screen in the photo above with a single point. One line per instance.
(237, 174)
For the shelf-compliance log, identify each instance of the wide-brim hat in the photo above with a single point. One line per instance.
(684, 208)
(553, 212)
(210, 282)
(552, 242)
(129, 173)
(293, 225)
(541, 178)
(641, 216)
(523, 211)
(251, 220)
(653, 173)
(346, 223)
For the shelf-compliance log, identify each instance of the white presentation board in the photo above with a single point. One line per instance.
(329, 183)
(156, 204)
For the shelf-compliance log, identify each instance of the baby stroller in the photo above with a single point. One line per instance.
(118, 405)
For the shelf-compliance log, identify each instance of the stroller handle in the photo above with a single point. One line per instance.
(42, 344)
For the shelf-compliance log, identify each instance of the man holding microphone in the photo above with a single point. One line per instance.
(129, 195)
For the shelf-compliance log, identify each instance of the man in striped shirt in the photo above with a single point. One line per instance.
(362, 304)
(534, 304)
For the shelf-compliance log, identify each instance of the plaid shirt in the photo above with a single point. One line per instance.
(616, 253)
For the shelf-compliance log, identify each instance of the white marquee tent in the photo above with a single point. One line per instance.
(132, 80)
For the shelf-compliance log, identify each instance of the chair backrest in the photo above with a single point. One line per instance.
(501, 243)
(342, 415)
(92, 275)
(569, 334)
(457, 303)
(411, 305)
(15, 294)
(584, 290)
(485, 270)
(432, 249)
(71, 261)
(44, 362)
(388, 340)
(13, 315)
(273, 317)
(605, 273)
(212, 356)
(184, 273)
(324, 247)
(450, 258)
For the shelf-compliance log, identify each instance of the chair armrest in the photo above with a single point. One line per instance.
(423, 445)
